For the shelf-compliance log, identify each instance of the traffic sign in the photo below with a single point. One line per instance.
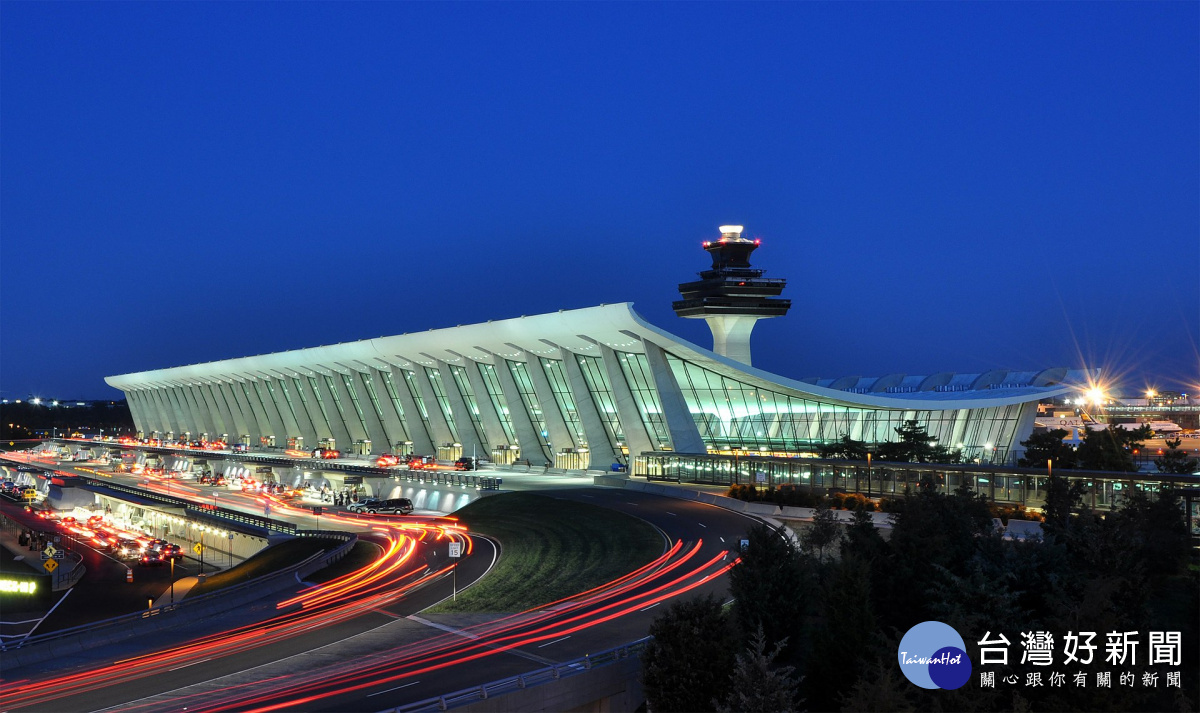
(197, 548)
(50, 565)
(60, 555)
(49, 551)
(455, 550)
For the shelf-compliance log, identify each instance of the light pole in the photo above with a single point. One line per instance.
(172, 581)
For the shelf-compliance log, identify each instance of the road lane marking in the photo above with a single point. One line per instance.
(555, 641)
(702, 525)
(722, 539)
(189, 664)
(672, 513)
(651, 606)
(397, 688)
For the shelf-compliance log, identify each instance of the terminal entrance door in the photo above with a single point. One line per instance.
(505, 455)
(295, 443)
(572, 459)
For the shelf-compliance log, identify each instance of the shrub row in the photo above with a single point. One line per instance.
(803, 497)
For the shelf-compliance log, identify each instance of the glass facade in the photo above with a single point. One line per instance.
(369, 385)
(316, 389)
(464, 390)
(287, 399)
(337, 401)
(320, 425)
(602, 399)
(733, 415)
(496, 395)
(525, 389)
(566, 402)
(411, 380)
(348, 382)
(439, 393)
(390, 386)
(641, 383)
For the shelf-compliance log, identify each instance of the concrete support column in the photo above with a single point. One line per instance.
(234, 424)
(137, 409)
(417, 432)
(274, 390)
(462, 414)
(528, 437)
(355, 425)
(254, 427)
(685, 437)
(164, 409)
(492, 427)
(393, 421)
(200, 406)
(601, 449)
(308, 400)
(731, 335)
(637, 437)
(220, 425)
(560, 434)
(381, 440)
(437, 420)
(337, 425)
(260, 389)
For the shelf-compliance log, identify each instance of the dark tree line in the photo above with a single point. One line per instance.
(815, 622)
(1111, 448)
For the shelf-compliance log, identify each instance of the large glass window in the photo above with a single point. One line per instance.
(395, 397)
(525, 388)
(439, 393)
(733, 415)
(641, 384)
(566, 402)
(374, 397)
(492, 383)
(464, 390)
(337, 400)
(287, 399)
(348, 382)
(602, 398)
(410, 379)
(312, 381)
(320, 425)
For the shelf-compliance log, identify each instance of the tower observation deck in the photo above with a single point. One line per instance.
(732, 296)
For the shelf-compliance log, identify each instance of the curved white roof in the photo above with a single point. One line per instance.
(616, 326)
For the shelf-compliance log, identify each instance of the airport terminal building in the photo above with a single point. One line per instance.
(581, 389)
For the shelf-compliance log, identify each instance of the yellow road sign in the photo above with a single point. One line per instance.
(197, 548)
(50, 565)
(50, 550)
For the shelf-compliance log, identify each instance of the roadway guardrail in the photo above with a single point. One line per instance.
(536, 677)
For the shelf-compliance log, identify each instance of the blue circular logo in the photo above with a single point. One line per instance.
(933, 655)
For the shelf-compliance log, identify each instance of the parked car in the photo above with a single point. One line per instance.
(466, 463)
(396, 506)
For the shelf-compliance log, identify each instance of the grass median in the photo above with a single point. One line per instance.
(550, 549)
(272, 559)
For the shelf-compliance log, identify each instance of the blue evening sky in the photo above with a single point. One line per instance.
(946, 186)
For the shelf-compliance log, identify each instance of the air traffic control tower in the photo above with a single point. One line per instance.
(732, 296)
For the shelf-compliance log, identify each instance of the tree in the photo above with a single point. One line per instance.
(846, 447)
(842, 637)
(1176, 460)
(757, 684)
(1062, 498)
(686, 665)
(1044, 446)
(916, 446)
(823, 532)
(1111, 448)
(770, 586)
